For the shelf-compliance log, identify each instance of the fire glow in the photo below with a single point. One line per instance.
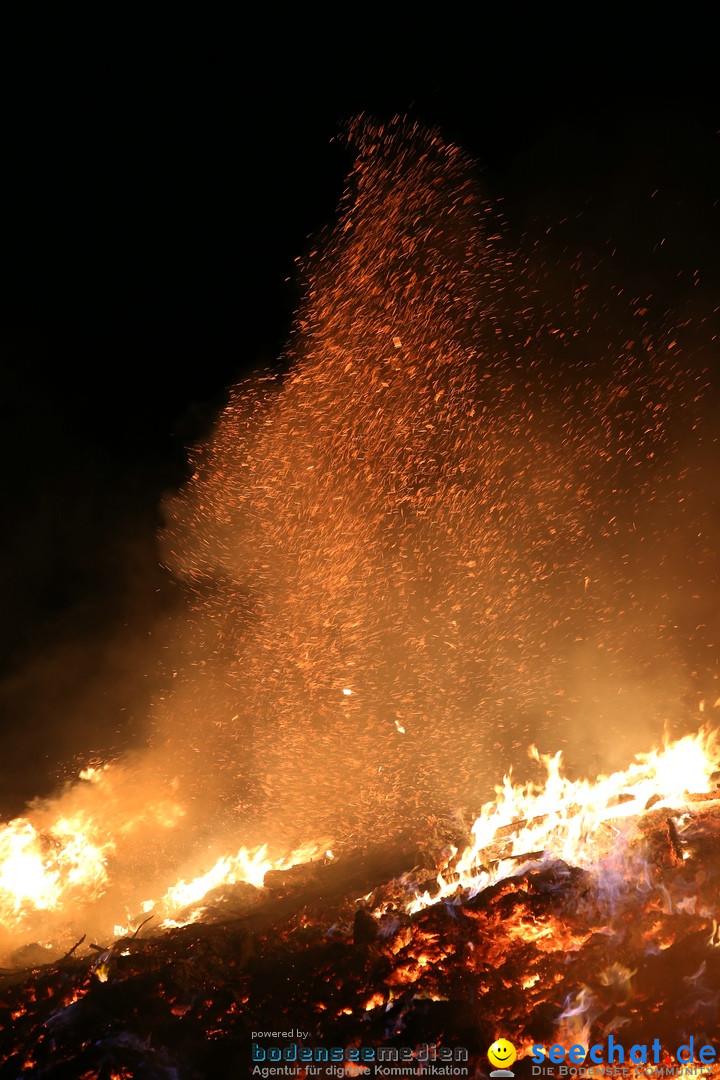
(60, 868)
(576, 821)
(584, 823)
(428, 543)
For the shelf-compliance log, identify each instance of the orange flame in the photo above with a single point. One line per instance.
(56, 866)
(576, 821)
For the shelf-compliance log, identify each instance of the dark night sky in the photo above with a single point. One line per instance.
(161, 182)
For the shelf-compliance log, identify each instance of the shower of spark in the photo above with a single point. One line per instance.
(431, 543)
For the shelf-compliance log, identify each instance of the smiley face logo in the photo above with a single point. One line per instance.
(502, 1054)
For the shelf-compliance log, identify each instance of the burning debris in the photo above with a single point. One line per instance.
(596, 912)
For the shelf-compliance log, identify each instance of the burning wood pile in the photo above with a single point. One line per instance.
(574, 913)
